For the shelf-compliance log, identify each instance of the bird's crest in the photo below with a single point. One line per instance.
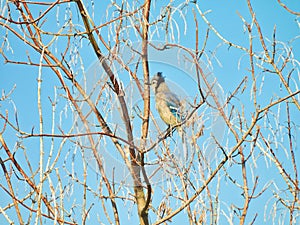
(160, 77)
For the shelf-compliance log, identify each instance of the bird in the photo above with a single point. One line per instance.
(167, 103)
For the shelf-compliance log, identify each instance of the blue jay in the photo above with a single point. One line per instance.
(167, 103)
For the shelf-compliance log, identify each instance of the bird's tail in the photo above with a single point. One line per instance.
(182, 135)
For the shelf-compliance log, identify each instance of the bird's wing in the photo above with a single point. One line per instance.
(172, 99)
(174, 104)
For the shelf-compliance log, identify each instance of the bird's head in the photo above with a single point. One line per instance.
(157, 80)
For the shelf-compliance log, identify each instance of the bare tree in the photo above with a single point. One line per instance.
(85, 145)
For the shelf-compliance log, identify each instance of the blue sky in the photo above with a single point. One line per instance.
(228, 65)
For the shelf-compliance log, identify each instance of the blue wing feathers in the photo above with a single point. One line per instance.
(175, 111)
